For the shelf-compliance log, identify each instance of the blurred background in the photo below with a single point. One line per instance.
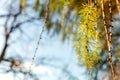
(55, 59)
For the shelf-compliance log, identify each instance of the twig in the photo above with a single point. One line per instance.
(110, 40)
(108, 37)
(40, 37)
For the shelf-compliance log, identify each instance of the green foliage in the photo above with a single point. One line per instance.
(87, 46)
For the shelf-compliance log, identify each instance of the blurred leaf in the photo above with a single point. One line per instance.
(42, 12)
(23, 2)
(53, 5)
(36, 5)
(49, 26)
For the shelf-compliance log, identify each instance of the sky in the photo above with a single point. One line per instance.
(59, 58)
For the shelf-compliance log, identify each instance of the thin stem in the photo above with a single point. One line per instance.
(40, 37)
(108, 37)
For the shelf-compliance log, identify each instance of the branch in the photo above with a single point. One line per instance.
(20, 24)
